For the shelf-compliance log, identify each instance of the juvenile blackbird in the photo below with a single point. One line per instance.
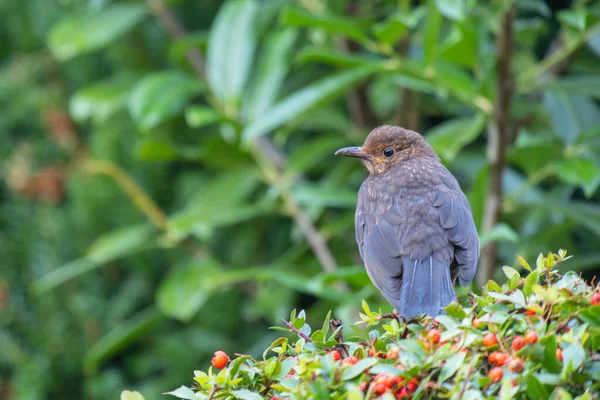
(414, 226)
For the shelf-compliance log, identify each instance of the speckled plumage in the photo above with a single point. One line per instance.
(414, 226)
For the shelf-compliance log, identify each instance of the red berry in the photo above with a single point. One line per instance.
(518, 343)
(434, 336)
(559, 354)
(498, 358)
(336, 355)
(529, 313)
(392, 354)
(531, 337)
(402, 393)
(412, 385)
(496, 374)
(596, 298)
(379, 388)
(489, 340)
(427, 345)
(516, 365)
(362, 386)
(476, 323)
(350, 360)
(220, 360)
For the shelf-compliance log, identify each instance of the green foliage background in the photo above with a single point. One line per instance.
(160, 184)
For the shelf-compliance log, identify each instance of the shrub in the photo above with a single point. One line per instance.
(534, 337)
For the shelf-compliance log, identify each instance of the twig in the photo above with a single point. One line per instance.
(264, 146)
(212, 392)
(334, 325)
(131, 188)
(498, 141)
(297, 331)
(466, 380)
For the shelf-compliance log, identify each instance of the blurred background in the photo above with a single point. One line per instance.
(168, 186)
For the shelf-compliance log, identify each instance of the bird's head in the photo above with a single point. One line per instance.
(387, 146)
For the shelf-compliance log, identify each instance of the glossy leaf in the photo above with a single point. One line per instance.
(580, 172)
(83, 32)
(100, 100)
(273, 66)
(329, 23)
(231, 47)
(305, 100)
(449, 137)
(160, 96)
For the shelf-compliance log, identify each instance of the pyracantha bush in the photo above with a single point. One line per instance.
(534, 337)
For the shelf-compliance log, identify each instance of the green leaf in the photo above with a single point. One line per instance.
(580, 172)
(510, 272)
(246, 394)
(560, 394)
(591, 316)
(312, 152)
(576, 18)
(221, 202)
(100, 100)
(551, 363)
(449, 137)
(183, 392)
(499, 233)
(453, 9)
(570, 114)
(358, 368)
(151, 149)
(451, 366)
(337, 58)
(129, 395)
(273, 66)
(231, 47)
(198, 116)
(83, 32)
(583, 85)
(121, 337)
(524, 263)
(573, 356)
(160, 96)
(433, 23)
(305, 100)
(532, 279)
(327, 22)
(108, 247)
(311, 195)
(183, 293)
(535, 390)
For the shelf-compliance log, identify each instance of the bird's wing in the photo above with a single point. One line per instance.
(377, 222)
(457, 219)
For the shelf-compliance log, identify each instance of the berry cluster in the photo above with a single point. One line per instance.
(533, 337)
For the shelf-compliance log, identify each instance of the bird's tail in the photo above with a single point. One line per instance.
(426, 287)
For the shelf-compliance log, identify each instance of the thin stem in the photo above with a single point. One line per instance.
(131, 188)
(297, 331)
(212, 392)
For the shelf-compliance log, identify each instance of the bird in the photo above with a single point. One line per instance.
(414, 225)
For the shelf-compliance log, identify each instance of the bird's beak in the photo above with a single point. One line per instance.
(355, 152)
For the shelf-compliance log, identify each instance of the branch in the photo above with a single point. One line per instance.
(297, 331)
(268, 151)
(499, 136)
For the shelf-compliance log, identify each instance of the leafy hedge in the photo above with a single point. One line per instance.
(536, 336)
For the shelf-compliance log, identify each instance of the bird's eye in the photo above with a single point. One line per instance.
(388, 152)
